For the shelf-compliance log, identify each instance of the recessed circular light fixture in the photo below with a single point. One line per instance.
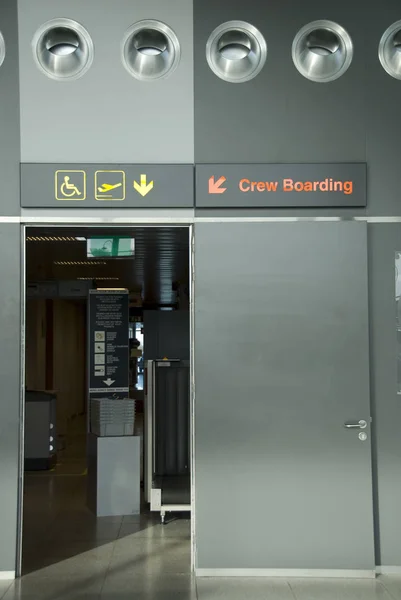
(322, 51)
(236, 51)
(150, 50)
(63, 49)
(2, 49)
(390, 50)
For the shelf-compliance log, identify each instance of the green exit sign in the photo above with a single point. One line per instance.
(110, 247)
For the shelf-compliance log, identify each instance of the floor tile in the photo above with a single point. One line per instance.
(142, 518)
(154, 586)
(4, 586)
(150, 556)
(151, 595)
(79, 548)
(132, 546)
(45, 588)
(69, 531)
(72, 558)
(339, 589)
(238, 588)
(392, 583)
(50, 568)
(71, 554)
(85, 516)
(175, 529)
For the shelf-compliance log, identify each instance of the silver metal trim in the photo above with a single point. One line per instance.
(247, 51)
(264, 219)
(390, 50)
(322, 51)
(153, 420)
(41, 221)
(379, 219)
(63, 34)
(296, 219)
(88, 371)
(148, 418)
(192, 388)
(21, 445)
(288, 573)
(150, 50)
(2, 49)
(131, 220)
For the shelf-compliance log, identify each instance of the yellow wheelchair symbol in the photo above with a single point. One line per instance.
(70, 185)
(69, 189)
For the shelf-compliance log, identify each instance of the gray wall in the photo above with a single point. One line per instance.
(166, 334)
(10, 288)
(381, 102)
(10, 390)
(260, 121)
(106, 115)
(282, 117)
(9, 112)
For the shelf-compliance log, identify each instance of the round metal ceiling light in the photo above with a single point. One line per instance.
(390, 50)
(2, 49)
(236, 51)
(322, 51)
(150, 50)
(63, 49)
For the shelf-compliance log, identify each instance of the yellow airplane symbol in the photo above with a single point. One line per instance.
(106, 187)
(143, 188)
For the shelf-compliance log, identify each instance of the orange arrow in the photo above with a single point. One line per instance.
(214, 186)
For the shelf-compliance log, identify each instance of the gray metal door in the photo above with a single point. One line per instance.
(281, 364)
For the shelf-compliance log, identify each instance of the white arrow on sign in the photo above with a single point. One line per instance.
(108, 381)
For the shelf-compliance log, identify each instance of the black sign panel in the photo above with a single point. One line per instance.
(281, 185)
(108, 342)
(82, 186)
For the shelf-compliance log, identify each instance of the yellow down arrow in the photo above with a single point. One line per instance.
(143, 188)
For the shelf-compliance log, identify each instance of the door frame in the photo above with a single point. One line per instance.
(108, 223)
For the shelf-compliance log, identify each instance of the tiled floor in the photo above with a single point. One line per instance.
(104, 576)
(385, 588)
(69, 554)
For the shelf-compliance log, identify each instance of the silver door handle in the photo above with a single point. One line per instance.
(362, 424)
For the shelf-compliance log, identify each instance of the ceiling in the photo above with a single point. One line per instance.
(161, 258)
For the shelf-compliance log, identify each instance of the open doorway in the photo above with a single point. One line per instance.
(92, 451)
